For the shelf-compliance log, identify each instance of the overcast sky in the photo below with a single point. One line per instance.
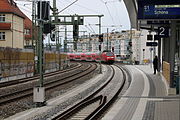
(114, 12)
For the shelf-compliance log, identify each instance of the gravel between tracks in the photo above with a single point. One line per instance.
(52, 110)
(25, 104)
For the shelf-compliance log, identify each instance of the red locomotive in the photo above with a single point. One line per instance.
(88, 57)
(108, 57)
(77, 56)
(105, 57)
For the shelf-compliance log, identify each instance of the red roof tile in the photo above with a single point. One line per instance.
(9, 6)
(27, 23)
(5, 26)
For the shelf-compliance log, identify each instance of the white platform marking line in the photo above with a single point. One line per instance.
(114, 110)
(138, 114)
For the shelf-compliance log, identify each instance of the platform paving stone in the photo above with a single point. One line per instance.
(149, 112)
(160, 106)
(155, 104)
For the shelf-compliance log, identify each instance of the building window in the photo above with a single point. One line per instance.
(2, 18)
(2, 35)
(27, 42)
(27, 32)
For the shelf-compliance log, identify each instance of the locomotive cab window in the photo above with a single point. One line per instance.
(109, 54)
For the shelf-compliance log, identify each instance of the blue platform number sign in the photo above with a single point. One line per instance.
(163, 32)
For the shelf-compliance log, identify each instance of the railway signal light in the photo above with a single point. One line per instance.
(130, 43)
(101, 38)
(75, 31)
(99, 47)
(53, 37)
(149, 37)
(43, 10)
(112, 49)
(48, 27)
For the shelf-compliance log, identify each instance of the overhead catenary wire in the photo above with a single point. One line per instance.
(89, 29)
(119, 21)
(67, 9)
(86, 8)
(82, 6)
(68, 6)
(22, 6)
(108, 10)
(86, 27)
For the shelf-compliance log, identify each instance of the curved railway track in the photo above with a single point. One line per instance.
(20, 94)
(92, 107)
(33, 78)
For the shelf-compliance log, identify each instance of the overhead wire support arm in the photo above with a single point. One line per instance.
(67, 6)
(78, 15)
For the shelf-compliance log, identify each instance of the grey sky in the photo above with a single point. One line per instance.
(114, 12)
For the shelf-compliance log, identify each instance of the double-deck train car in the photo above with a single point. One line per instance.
(88, 57)
(71, 56)
(97, 57)
(106, 57)
(83, 56)
(93, 55)
(77, 56)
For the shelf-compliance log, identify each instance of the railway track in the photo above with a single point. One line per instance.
(14, 96)
(33, 78)
(92, 107)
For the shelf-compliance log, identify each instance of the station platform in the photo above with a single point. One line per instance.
(146, 98)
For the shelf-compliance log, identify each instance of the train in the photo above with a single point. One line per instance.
(105, 57)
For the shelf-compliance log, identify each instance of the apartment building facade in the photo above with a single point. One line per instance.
(15, 26)
(118, 42)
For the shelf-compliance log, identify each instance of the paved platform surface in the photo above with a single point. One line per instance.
(146, 98)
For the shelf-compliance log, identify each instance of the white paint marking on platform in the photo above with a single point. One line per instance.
(138, 114)
(118, 106)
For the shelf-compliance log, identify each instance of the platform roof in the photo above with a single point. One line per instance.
(131, 6)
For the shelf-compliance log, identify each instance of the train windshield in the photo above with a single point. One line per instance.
(109, 54)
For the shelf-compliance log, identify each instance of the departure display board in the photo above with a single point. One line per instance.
(158, 10)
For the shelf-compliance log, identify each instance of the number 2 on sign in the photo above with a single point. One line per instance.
(162, 30)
